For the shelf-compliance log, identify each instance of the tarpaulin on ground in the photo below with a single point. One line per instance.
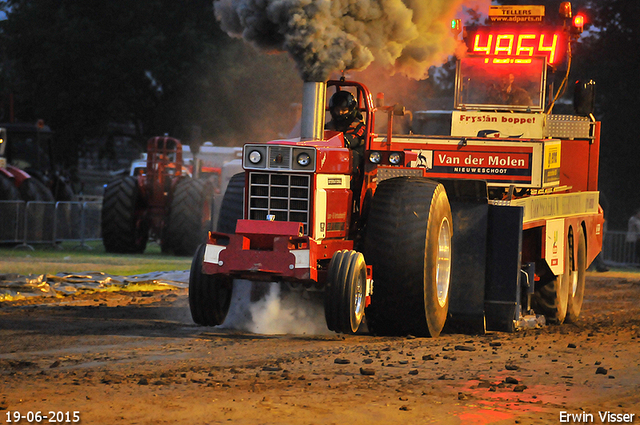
(14, 286)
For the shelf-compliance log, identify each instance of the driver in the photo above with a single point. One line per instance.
(346, 118)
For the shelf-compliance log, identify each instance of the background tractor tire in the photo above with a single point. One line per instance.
(209, 295)
(576, 290)
(231, 209)
(8, 191)
(189, 217)
(62, 190)
(33, 189)
(345, 292)
(408, 243)
(124, 228)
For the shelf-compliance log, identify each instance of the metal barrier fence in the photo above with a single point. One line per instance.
(35, 222)
(28, 223)
(616, 251)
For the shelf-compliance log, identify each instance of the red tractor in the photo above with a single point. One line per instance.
(163, 203)
(28, 171)
(490, 227)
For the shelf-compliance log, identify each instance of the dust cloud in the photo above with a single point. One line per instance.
(323, 36)
(279, 311)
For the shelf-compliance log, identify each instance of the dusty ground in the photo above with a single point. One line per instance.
(136, 358)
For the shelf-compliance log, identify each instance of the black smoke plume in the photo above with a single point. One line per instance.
(325, 36)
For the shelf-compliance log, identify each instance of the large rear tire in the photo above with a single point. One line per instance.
(124, 228)
(577, 281)
(345, 292)
(189, 217)
(408, 243)
(209, 295)
(231, 208)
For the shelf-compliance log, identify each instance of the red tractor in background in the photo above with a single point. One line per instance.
(28, 170)
(163, 203)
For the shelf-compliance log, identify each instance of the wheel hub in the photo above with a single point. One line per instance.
(443, 267)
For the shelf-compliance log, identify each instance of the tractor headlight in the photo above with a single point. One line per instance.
(395, 158)
(255, 157)
(303, 159)
(374, 157)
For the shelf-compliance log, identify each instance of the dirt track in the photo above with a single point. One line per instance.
(136, 358)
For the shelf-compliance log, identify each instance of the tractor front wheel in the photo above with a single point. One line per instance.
(345, 292)
(209, 295)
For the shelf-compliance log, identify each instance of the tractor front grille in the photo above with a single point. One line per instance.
(287, 197)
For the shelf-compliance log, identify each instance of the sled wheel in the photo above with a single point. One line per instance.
(209, 295)
(551, 296)
(576, 289)
(345, 292)
(408, 244)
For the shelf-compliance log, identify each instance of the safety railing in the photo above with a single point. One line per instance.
(617, 251)
(35, 222)
(27, 223)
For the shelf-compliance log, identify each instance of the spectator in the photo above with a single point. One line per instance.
(633, 234)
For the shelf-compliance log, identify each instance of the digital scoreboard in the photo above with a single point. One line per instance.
(518, 42)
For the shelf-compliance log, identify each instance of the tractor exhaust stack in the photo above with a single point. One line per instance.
(313, 110)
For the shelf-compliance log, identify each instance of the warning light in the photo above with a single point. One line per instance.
(565, 10)
(456, 26)
(578, 24)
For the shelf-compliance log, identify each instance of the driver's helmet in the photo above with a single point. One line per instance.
(343, 107)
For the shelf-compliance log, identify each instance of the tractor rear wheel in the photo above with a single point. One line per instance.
(209, 295)
(232, 202)
(189, 216)
(408, 243)
(345, 292)
(124, 228)
(576, 290)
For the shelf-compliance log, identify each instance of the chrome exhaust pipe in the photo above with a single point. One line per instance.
(313, 110)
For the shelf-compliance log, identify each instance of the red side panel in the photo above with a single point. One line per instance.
(574, 168)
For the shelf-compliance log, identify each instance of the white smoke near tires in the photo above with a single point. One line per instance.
(325, 36)
(279, 311)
